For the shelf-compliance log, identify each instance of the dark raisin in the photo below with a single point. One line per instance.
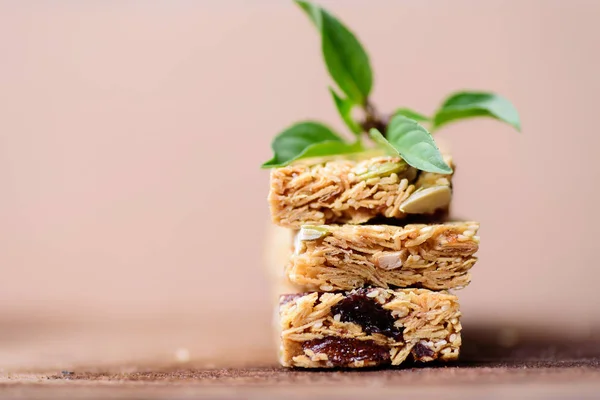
(420, 351)
(342, 351)
(371, 316)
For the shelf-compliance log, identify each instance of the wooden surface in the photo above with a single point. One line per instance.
(495, 363)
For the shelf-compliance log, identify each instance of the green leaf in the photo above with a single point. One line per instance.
(344, 107)
(413, 143)
(464, 105)
(379, 139)
(307, 139)
(412, 114)
(346, 59)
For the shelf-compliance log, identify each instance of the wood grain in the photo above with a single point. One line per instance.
(515, 362)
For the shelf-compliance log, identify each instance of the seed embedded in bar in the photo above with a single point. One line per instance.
(308, 232)
(390, 261)
(427, 200)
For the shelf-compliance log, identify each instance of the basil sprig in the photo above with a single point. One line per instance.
(403, 135)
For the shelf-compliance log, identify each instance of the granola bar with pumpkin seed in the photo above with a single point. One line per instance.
(345, 257)
(355, 191)
(368, 327)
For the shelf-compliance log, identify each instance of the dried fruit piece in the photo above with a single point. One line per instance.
(421, 351)
(345, 351)
(362, 310)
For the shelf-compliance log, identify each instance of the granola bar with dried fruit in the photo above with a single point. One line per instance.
(368, 327)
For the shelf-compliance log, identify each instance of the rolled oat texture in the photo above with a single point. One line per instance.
(345, 257)
(350, 191)
(368, 327)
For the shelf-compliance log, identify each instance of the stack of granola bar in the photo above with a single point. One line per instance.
(371, 265)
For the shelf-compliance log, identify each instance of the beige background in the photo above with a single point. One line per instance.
(132, 206)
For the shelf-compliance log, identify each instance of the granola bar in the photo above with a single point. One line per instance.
(345, 257)
(368, 327)
(355, 191)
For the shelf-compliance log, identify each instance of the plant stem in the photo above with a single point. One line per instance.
(373, 119)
